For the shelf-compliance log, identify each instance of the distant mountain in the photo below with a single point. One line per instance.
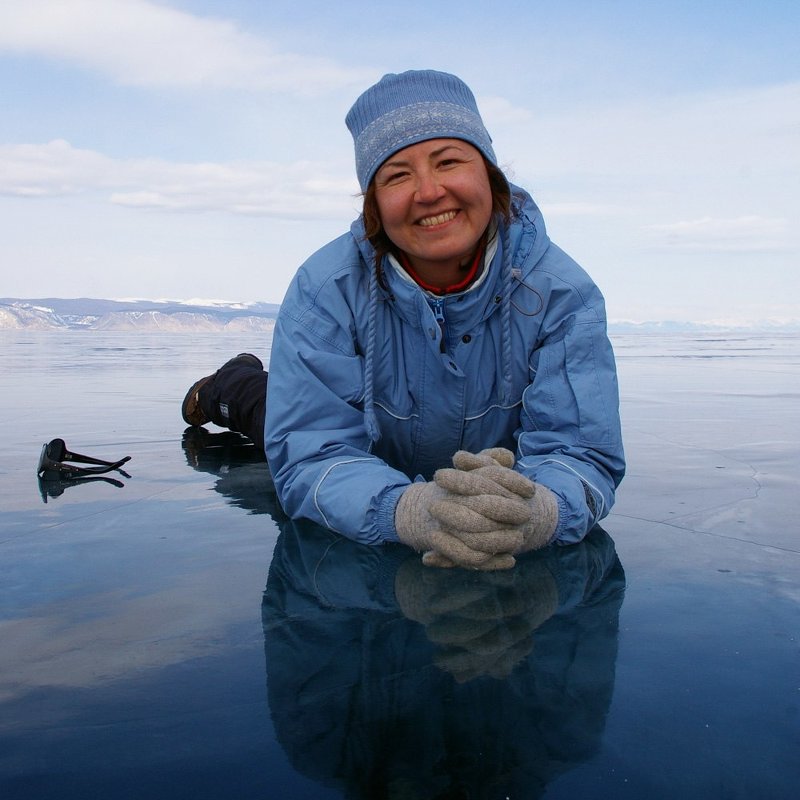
(51, 313)
(84, 313)
(619, 327)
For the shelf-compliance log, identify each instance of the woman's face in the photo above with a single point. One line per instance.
(435, 202)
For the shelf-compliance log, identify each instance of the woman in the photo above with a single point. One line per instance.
(441, 374)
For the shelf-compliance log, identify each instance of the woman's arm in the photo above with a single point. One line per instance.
(316, 443)
(570, 439)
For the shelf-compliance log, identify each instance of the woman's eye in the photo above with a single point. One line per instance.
(393, 177)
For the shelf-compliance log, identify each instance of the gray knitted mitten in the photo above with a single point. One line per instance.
(436, 533)
(487, 474)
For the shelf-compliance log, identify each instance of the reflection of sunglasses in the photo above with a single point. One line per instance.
(55, 453)
(53, 486)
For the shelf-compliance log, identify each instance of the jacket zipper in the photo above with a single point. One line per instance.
(437, 305)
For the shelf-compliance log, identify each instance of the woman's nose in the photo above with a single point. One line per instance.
(428, 188)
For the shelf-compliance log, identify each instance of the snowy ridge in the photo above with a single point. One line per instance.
(135, 315)
(706, 326)
(220, 315)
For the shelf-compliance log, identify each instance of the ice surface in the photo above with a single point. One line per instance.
(177, 637)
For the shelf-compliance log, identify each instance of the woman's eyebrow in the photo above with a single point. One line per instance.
(400, 162)
(449, 146)
(393, 164)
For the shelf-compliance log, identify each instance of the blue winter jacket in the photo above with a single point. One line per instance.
(520, 360)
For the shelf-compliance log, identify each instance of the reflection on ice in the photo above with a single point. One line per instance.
(241, 469)
(390, 679)
(57, 487)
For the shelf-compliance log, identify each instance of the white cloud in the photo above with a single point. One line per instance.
(302, 190)
(741, 234)
(141, 43)
(52, 169)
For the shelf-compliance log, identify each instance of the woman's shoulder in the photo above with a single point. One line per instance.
(543, 264)
(333, 276)
(340, 254)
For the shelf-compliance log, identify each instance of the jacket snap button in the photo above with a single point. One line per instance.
(466, 338)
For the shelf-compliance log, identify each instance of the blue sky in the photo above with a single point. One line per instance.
(193, 149)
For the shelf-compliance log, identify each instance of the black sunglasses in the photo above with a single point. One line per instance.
(54, 454)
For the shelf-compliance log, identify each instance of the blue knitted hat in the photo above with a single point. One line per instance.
(410, 107)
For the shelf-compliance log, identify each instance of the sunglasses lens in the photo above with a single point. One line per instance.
(43, 458)
(56, 449)
(48, 467)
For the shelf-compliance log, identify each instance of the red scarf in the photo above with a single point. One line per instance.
(472, 272)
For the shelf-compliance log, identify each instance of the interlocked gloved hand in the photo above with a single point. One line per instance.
(490, 474)
(481, 623)
(451, 530)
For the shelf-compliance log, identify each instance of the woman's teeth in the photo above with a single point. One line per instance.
(439, 219)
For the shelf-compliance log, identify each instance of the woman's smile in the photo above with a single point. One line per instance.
(439, 219)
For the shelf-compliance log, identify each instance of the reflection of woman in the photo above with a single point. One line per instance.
(444, 321)
(357, 702)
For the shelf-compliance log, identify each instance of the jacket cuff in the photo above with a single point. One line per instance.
(560, 534)
(385, 516)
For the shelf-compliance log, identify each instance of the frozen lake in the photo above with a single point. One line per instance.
(177, 637)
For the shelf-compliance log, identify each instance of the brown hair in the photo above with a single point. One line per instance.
(373, 227)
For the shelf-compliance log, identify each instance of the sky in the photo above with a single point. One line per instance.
(189, 149)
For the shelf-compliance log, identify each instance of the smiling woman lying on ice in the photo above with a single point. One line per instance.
(440, 374)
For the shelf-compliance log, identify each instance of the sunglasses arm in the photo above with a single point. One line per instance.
(69, 456)
(107, 466)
